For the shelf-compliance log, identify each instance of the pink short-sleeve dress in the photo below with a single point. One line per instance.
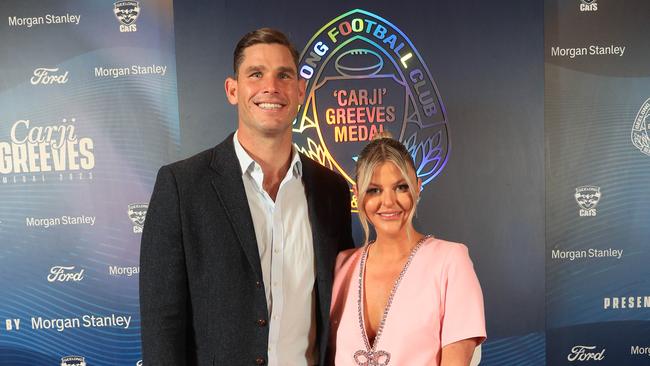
(438, 302)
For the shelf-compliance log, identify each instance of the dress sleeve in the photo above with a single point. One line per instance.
(462, 315)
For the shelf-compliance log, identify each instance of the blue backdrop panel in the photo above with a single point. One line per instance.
(486, 61)
(88, 112)
(597, 82)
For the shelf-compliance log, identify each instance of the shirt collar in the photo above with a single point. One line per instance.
(247, 164)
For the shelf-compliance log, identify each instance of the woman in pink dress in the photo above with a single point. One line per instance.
(405, 299)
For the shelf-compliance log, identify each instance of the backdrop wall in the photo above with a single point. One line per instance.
(532, 156)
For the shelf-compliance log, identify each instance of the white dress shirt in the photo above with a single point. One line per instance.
(285, 245)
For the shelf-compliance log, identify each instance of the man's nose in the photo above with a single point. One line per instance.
(270, 85)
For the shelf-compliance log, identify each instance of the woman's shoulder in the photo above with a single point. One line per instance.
(441, 245)
(445, 250)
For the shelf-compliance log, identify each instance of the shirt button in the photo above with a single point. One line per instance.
(261, 322)
(260, 361)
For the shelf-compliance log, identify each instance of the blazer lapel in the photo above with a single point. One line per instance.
(230, 189)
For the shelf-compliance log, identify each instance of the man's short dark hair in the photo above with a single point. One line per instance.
(262, 36)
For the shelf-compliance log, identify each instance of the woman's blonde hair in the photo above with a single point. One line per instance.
(383, 148)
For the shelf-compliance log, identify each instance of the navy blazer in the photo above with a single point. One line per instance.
(202, 299)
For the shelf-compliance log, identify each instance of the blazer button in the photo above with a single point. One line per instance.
(261, 322)
(258, 284)
(260, 361)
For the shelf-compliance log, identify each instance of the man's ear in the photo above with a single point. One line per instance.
(231, 90)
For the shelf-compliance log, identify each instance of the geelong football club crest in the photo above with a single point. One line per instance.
(127, 12)
(364, 76)
(73, 361)
(137, 213)
(640, 137)
(587, 198)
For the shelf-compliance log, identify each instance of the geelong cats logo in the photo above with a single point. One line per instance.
(640, 137)
(137, 213)
(73, 361)
(127, 12)
(587, 198)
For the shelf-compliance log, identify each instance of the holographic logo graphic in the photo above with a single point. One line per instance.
(587, 198)
(137, 213)
(127, 12)
(364, 76)
(73, 361)
(640, 137)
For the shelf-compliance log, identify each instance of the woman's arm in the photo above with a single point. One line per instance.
(458, 353)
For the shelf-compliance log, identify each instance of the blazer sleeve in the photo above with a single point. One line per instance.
(163, 277)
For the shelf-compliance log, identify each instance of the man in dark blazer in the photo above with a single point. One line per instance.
(204, 296)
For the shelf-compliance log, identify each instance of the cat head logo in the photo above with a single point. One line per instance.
(640, 136)
(587, 198)
(73, 361)
(137, 213)
(126, 11)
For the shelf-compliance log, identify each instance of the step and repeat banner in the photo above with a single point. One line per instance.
(597, 108)
(88, 113)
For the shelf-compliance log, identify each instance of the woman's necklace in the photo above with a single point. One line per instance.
(371, 356)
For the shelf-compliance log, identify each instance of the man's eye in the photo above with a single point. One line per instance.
(256, 74)
(285, 76)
